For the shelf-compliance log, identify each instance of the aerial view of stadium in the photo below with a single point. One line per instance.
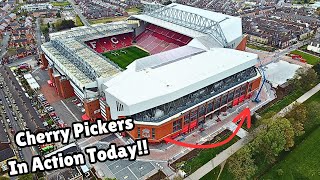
(152, 90)
(142, 54)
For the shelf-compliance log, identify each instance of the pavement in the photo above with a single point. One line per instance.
(123, 169)
(300, 100)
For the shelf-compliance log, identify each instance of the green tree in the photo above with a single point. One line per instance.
(25, 177)
(58, 15)
(298, 116)
(241, 164)
(307, 78)
(317, 66)
(276, 136)
(4, 178)
(64, 24)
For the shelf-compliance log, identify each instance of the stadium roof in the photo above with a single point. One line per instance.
(96, 30)
(75, 59)
(168, 25)
(230, 26)
(166, 57)
(158, 85)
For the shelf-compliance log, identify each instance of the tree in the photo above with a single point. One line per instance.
(64, 24)
(317, 66)
(276, 136)
(241, 164)
(4, 178)
(58, 15)
(307, 78)
(298, 116)
(25, 177)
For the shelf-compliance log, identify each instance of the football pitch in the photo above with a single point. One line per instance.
(124, 57)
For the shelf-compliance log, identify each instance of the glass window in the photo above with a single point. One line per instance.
(217, 103)
(186, 118)
(230, 96)
(177, 125)
(139, 133)
(209, 107)
(153, 133)
(236, 94)
(202, 110)
(224, 100)
(243, 89)
(194, 115)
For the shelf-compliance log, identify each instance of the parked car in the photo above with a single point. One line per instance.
(49, 109)
(53, 114)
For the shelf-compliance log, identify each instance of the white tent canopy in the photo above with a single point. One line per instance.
(31, 81)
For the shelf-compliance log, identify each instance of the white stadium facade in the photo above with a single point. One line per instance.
(197, 68)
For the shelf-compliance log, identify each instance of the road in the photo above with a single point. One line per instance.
(38, 34)
(24, 105)
(16, 126)
(77, 10)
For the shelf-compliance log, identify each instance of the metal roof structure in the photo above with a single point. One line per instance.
(81, 64)
(90, 32)
(187, 19)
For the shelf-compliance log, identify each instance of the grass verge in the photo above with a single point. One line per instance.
(311, 59)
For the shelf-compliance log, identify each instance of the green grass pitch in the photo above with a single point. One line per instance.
(124, 57)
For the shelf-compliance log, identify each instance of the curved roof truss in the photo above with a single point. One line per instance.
(187, 19)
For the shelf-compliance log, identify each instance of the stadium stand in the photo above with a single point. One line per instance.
(111, 43)
(156, 39)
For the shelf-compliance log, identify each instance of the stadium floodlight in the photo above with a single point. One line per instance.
(187, 19)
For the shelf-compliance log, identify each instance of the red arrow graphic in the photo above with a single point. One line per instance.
(244, 115)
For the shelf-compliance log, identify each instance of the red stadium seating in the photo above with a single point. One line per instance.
(156, 39)
(111, 43)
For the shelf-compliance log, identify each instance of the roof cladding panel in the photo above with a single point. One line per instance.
(166, 57)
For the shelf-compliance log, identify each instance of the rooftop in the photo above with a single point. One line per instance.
(79, 62)
(6, 152)
(230, 25)
(174, 79)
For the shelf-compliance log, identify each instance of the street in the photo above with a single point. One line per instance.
(38, 33)
(77, 10)
(16, 125)
(4, 44)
